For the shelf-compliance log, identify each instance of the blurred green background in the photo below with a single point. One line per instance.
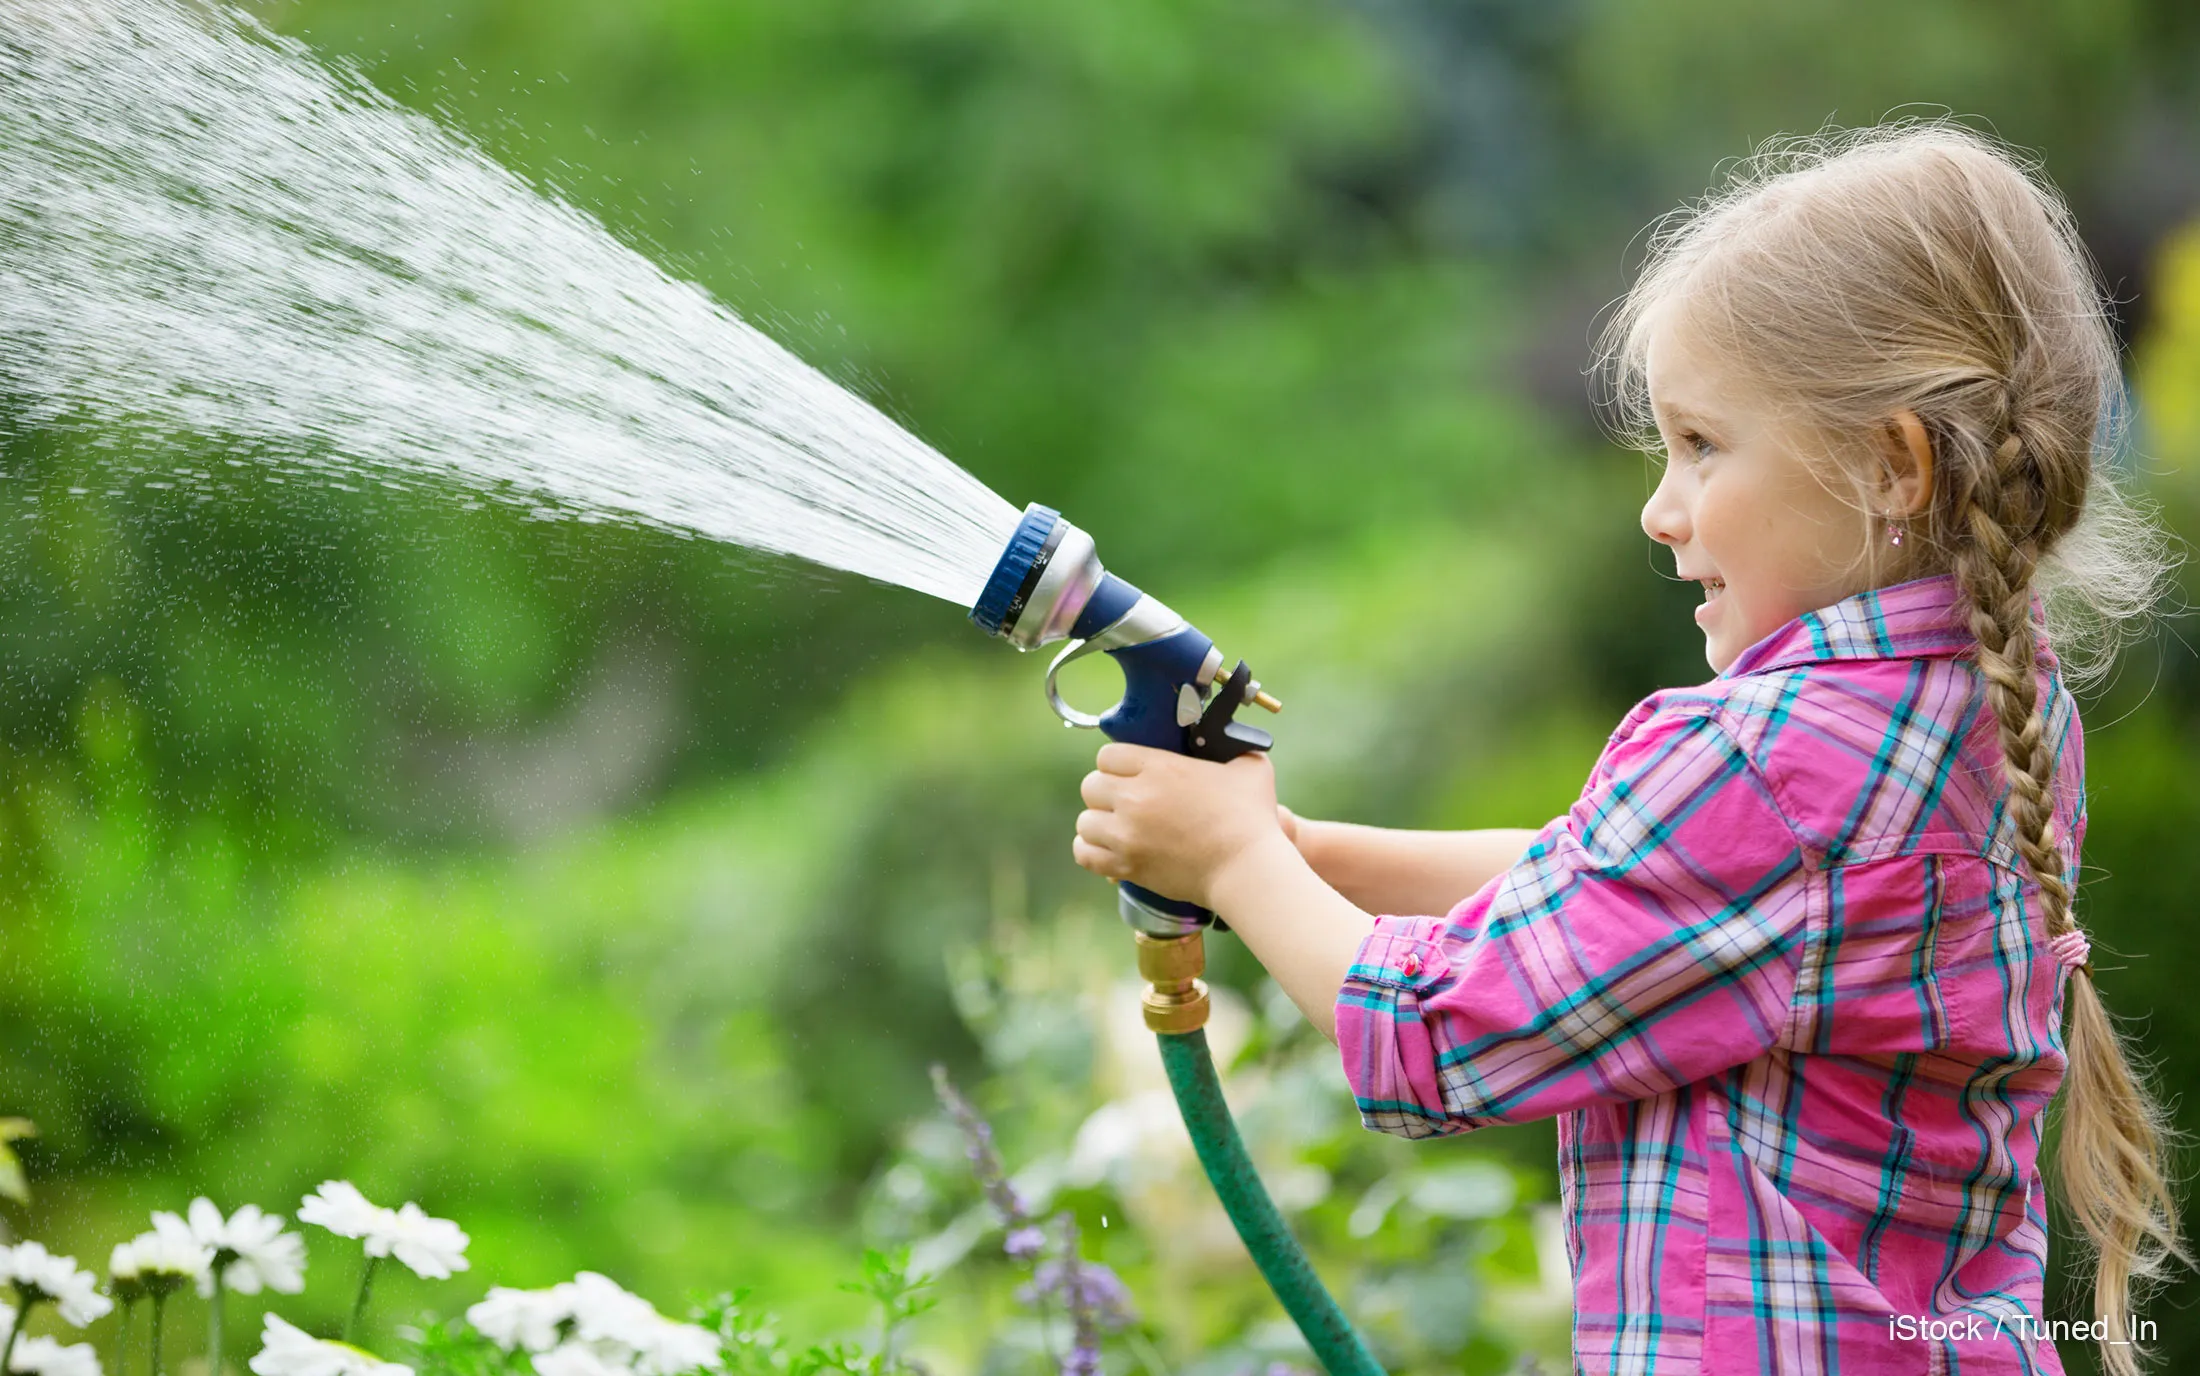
(610, 893)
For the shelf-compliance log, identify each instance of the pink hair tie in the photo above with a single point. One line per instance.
(2073, 950)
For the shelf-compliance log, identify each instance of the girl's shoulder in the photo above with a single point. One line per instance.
(1870, 725)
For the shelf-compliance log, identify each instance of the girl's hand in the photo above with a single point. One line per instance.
(1170, 823)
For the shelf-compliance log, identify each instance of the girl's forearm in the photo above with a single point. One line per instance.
(1302, 931)
(1382, 870)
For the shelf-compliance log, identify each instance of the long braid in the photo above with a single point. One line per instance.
(1994, 567)
(2113, 1134)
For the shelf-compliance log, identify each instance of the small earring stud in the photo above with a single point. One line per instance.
(1894, 534)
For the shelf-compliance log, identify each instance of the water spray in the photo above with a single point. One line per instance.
(207, 233)
(1049, 586)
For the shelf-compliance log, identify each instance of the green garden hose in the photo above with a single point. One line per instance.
(1191, 1069)
(1268, 1238)
(1176, 1006)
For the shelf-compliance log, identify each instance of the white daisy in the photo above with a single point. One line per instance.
(250, 1248)
(122, 1274)
(286, 1350)
(602, 1310)
(519, 1318)
(577, 1359)
(38, 1274)
(667, 1348)
(432, 1247)
(655, 1346)
(619, 1331)
(339, 1207)
(45, 1357)
(158, 1261)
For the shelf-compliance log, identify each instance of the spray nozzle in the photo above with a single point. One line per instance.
(1049, 585)
(1046, 576)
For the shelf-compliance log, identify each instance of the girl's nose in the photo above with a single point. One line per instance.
(1664, 516)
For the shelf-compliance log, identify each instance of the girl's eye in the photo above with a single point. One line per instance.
(1696, 445)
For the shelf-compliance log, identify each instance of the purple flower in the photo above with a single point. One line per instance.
(1024, 1243)
(1085, 1288)
(1083, 1360)
(985, 1160)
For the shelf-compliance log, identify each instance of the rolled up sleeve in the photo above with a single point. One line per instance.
(1649, 938)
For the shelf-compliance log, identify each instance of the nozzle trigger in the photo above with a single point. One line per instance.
(1216, 735)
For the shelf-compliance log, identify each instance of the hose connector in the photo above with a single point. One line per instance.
(1176, 997)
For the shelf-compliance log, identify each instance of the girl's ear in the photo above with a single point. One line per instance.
(1907, 483)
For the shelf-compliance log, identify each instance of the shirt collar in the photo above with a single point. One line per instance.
(1920, 618)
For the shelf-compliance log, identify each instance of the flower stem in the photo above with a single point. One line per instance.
(214, 1327)
(359, 1305)
(158, 1302)
(122, 1338)
(22, 1312)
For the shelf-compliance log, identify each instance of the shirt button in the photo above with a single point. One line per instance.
(1412, 964)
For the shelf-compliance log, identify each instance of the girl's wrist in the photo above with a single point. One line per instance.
(1312, 837)
(1237, 884)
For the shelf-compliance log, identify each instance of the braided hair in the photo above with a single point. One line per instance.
(1921, 267)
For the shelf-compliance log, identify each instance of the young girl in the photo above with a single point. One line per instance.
(1793, 973)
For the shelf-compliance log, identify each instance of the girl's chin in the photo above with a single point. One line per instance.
(1718, 647)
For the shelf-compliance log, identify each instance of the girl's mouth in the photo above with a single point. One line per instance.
(1713, 589)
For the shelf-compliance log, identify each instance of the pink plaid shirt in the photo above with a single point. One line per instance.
(1782, 977)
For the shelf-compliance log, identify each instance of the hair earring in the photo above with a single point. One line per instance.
(1894, 533)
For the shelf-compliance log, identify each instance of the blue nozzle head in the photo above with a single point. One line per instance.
(1045, 578)
(1009, 590)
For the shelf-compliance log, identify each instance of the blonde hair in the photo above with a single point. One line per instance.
(1922, 266)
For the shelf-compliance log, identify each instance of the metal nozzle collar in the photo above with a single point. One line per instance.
(1045, 577)
(1065, 575)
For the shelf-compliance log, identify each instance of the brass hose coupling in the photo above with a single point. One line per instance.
(1176, 996)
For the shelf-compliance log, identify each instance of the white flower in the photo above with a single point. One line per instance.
(339, 1207)
(45, 1357)
(669, 1348)
(432, 1247)
(601, 1310)
(519, 1318)
(38, 1274)
(656, 1346)
(576, 1359)
(250, 1249)
(614, 1333)
(286, 1350)
(150, 1258)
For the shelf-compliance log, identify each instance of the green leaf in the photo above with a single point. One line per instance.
(13, 1183)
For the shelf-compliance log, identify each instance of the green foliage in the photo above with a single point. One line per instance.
(446, 1347)
(13, 1185)
(899, 1296)
(748, 1339)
